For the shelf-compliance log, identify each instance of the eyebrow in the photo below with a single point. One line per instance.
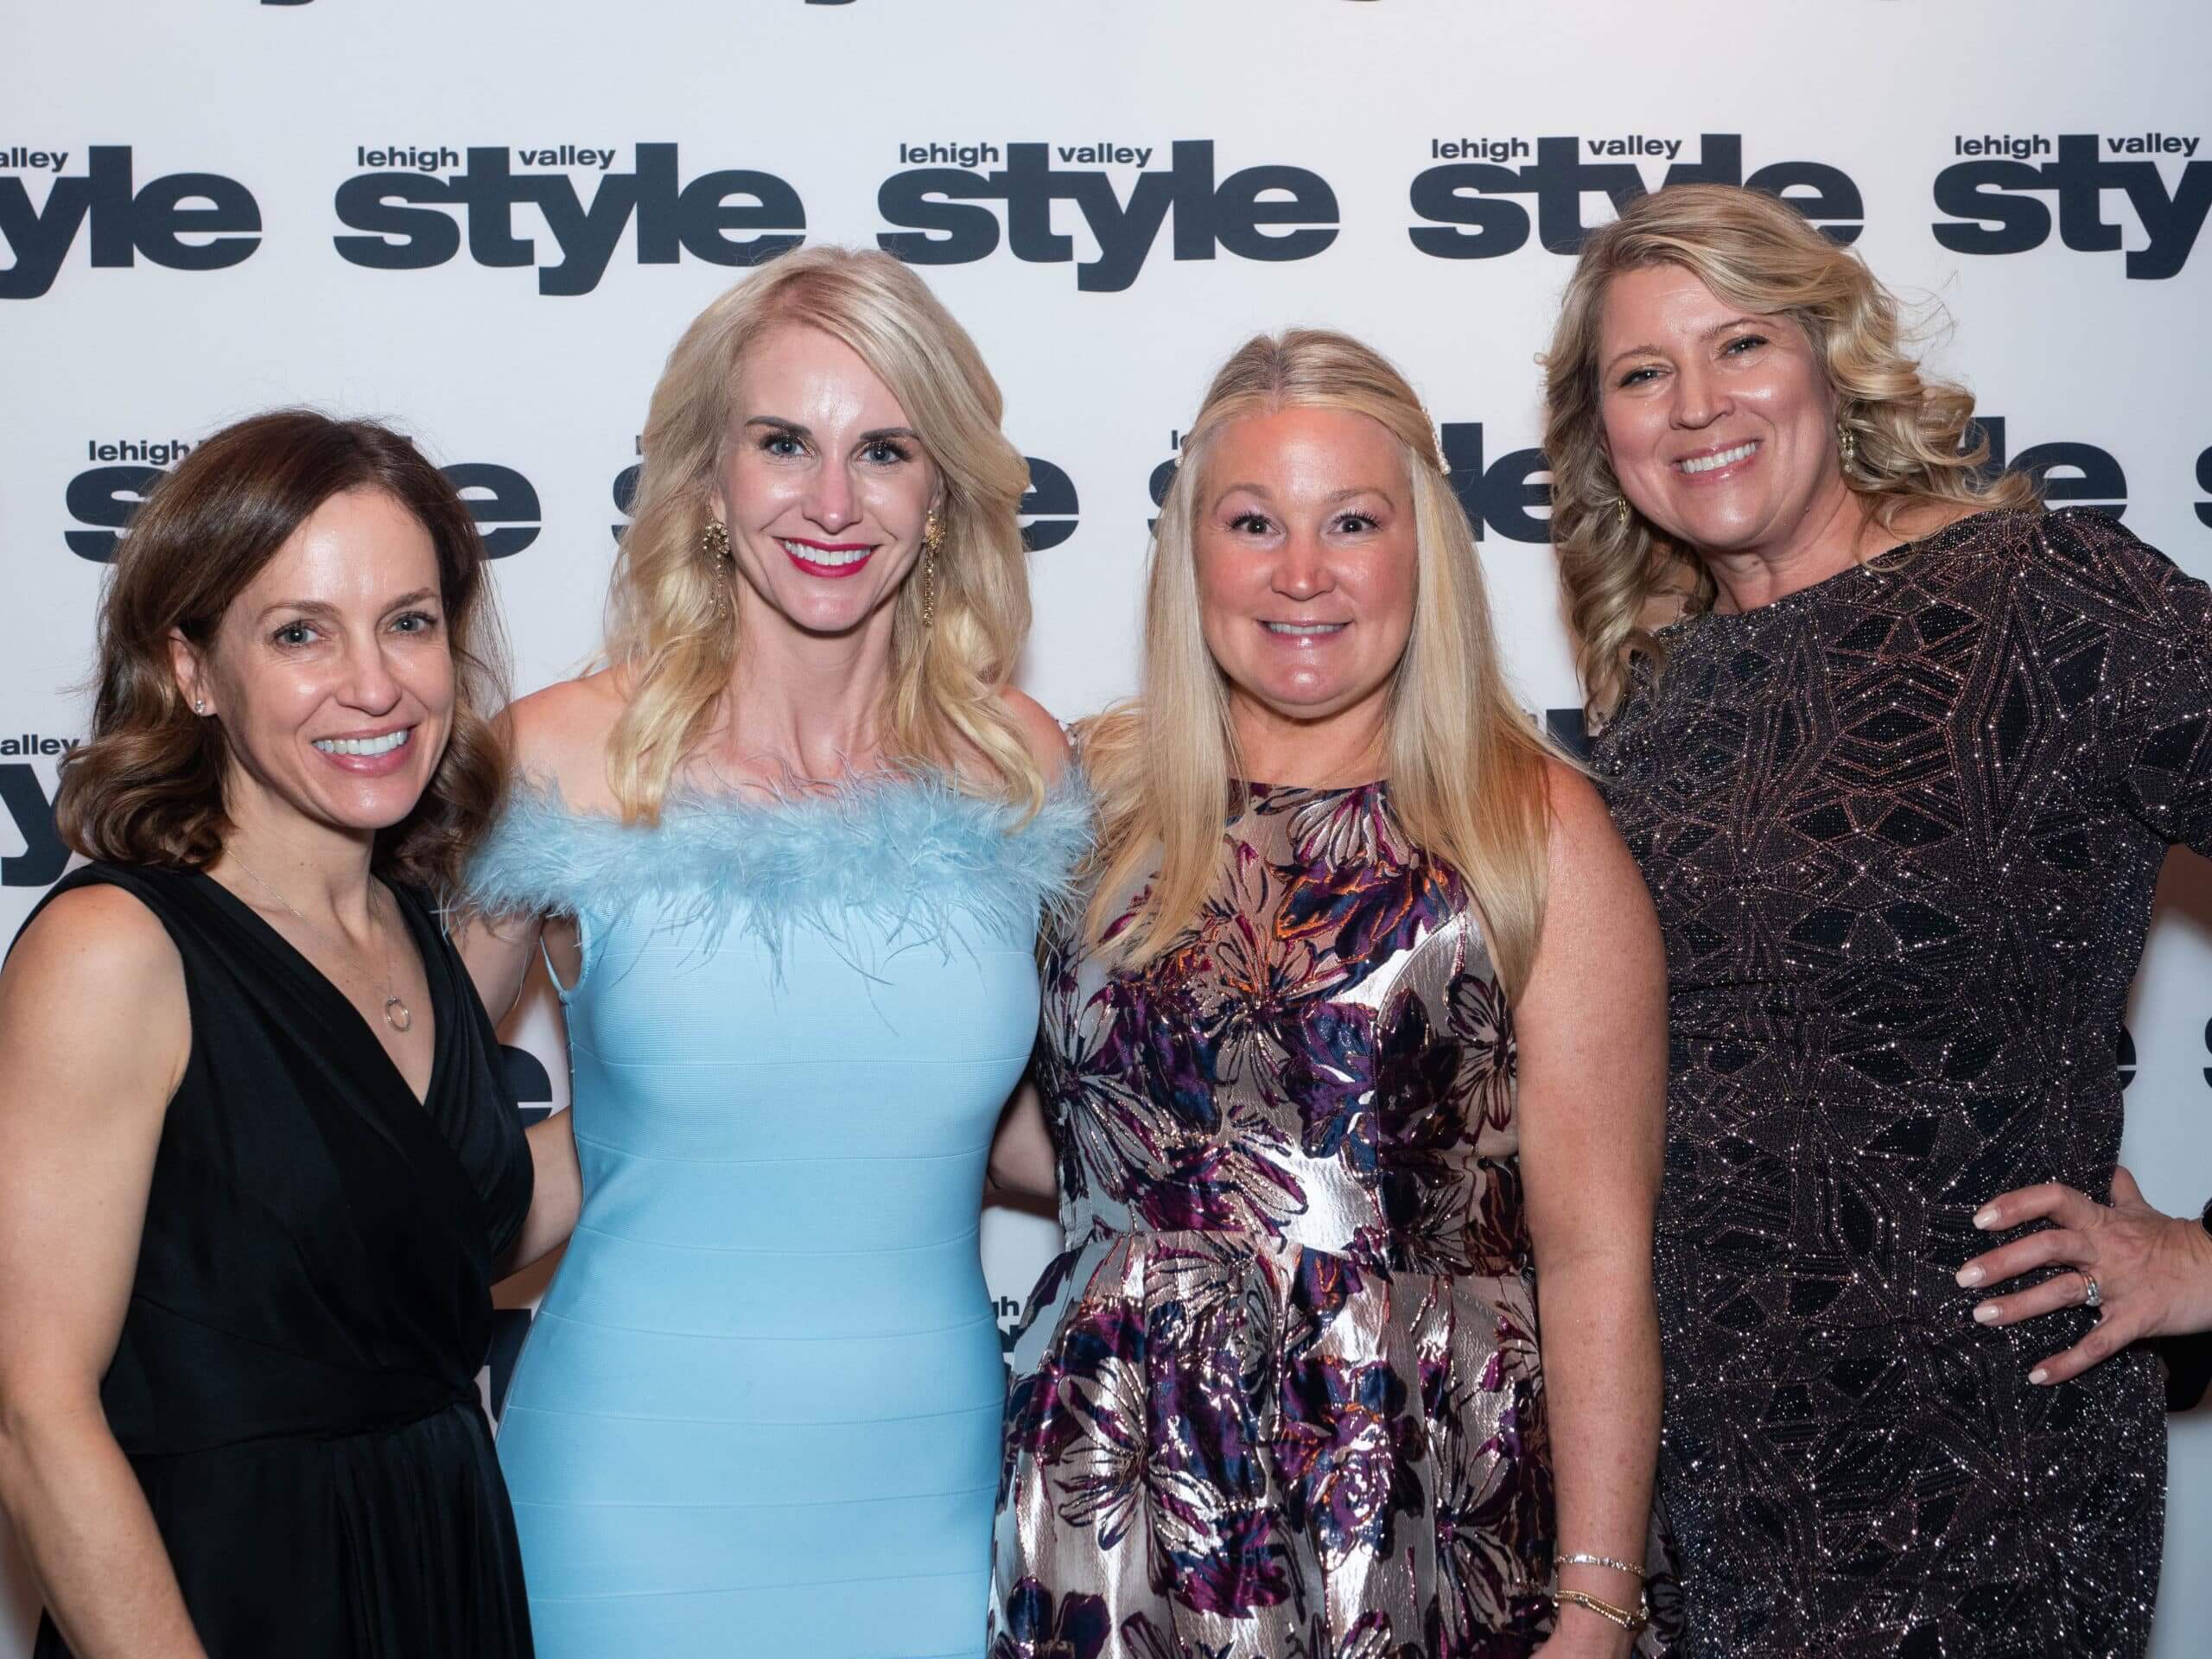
(1652, 350)
(1331, 499)
(317, 608)
(777, 423)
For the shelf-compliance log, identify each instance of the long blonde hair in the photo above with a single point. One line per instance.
(667, 630)
(1755, 251)
(1466, 766)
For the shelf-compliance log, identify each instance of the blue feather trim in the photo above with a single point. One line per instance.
(921, 859)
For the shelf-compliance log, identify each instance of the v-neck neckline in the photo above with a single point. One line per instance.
(432, 978)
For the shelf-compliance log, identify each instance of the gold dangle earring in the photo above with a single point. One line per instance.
(714, 542)
(1620, 513)
(1847, 443)
(932, 539)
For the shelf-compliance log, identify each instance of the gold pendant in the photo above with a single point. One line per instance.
(402, 1021)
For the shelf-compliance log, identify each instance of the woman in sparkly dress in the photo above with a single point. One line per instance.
(1901, 780)
(1287, 1393)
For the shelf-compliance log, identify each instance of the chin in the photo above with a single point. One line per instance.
(1721, 532)
(375, 809)
(1307, 702)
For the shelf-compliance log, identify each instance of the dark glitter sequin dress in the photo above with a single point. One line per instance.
(1903, 829)
(1281, 1398)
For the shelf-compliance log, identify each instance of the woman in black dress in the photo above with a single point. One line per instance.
(257, 1167)
(1901, 779)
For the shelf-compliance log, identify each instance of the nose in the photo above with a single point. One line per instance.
(831, 501)
(369, 684)
(1700, 399)
(1302, 570)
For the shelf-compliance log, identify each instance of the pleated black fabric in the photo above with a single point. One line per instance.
(296, 1381)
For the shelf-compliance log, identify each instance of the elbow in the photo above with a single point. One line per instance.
(37, 1425)
(1005, 1181)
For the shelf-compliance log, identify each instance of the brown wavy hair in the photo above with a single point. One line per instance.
(148, 786)
(1756, 252)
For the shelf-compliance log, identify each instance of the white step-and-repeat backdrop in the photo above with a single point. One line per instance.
(489, 222)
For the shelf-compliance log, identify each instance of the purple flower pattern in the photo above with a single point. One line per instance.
(1282, 1395)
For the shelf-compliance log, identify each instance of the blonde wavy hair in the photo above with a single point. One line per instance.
(1466, 766)
(667, 630)
(1756, 252)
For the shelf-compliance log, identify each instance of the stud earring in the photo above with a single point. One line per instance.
(198, 706)
(714, 542)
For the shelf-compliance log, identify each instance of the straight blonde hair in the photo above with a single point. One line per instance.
(668, 612)
(1467, 767)
(1755, 251)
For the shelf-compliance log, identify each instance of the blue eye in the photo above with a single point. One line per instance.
(415, 622)
(782, 443)
(294, 633)
(885, 452)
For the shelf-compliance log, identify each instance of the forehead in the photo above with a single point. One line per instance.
(1306, 451)
(799, 372)
(1659, 304)
(360, 547)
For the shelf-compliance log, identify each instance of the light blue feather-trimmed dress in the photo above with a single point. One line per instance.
(759, 1410)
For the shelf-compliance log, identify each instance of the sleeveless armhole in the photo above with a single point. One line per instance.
(584, 944)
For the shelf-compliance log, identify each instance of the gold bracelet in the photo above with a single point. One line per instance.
(1578, 1559)
(1631, 1622)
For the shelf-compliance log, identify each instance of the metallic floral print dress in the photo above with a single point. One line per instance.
(1282, 1395)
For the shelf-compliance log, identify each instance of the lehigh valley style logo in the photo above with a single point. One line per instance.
(1478, 204)
(101, 498)
(414, 207)
(955, 203)
(120, 219)
(30, 810)
(2001, 199)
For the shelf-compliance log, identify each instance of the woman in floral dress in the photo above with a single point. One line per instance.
(1286, 1393)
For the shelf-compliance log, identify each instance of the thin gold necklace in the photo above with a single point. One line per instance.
(396, 1014)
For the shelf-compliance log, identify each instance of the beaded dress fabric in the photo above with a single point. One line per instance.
(1281, 1397)
(1903, 829)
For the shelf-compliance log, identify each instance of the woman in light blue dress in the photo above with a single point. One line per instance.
(787, 855)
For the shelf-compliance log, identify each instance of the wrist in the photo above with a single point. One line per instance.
(2195, 1312)
(1578, 1632)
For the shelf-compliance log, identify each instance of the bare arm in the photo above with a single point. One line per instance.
(501, 955)
(1591, 1027)
(80, 1120)
(1022, 1162)
(557, 736)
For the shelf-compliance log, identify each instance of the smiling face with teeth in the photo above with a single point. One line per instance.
(1307, 564)
(1720, 425)
(331, 671)
(825, 484)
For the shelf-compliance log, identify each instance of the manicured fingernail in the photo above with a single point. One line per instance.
(1971, 1275)
(1985, 1314)
(1986, 1218)
(2039, 1375)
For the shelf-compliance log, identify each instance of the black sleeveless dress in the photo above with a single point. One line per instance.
(295, 1382)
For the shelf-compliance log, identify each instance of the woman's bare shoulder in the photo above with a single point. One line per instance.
(560, 735)
(1041, 735)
